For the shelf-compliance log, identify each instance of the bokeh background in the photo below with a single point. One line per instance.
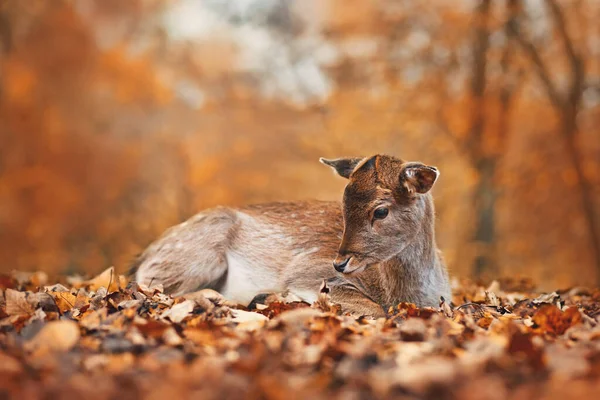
(121, 118)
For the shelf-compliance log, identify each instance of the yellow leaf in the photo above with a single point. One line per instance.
(64, 300)
(107, 279)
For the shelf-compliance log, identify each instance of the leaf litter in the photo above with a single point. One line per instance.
(106, 337)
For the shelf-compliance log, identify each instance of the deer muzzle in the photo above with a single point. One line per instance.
(341, 262)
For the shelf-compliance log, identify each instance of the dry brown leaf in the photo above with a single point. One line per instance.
(16, 303)
(107, 279)
(9, 366)
(151, 328)
(296, 317)
(491, 299)
(549, 319)
(150, 291)
(171, 338)
(550, 298)
(179, 312)
(7, 282)
(57, 287)
(324, 302)
(413, 330)
(32, 280)
(55, 336)
(81, 300)
(522, 345)
(91, 319)
(567, 363)
(64, 300)
(151, 338)
(129, 304)
(247, 320)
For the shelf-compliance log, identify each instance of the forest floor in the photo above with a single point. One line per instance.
(108, 338)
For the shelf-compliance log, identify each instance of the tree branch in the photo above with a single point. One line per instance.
(559, 20)
(577, 73)
(509, 76)
(6, 39)
(478, 82)
(538, 63)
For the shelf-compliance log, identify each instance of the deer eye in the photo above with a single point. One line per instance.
(380, 213)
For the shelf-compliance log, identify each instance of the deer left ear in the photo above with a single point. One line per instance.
(418, 178)
(342, 166)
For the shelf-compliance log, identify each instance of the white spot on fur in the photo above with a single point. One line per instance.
(245, 280)
(308, 296)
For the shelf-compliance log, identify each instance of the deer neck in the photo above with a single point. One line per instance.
(415, 274)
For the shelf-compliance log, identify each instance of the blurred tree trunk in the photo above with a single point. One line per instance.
(569, 109)
(569, 131)
(5, 47)
(5, 30)
(484, 201)
(484, 194)
(567, 106)
(486, 191)
(482, 146)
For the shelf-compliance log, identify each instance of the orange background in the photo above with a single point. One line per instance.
(119, 119)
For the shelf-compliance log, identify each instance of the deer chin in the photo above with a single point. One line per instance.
(360, 262)
(355, 267)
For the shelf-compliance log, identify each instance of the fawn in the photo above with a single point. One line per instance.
(381, 240)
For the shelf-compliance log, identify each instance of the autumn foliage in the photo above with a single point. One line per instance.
(106, 337)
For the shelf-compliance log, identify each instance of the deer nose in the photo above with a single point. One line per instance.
(341, 265)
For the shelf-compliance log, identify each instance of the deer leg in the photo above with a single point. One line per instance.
(354, 302)
(189, 256)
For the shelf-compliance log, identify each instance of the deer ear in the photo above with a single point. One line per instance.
(342, 166)
(418, 178)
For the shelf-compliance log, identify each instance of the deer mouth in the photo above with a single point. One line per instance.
(355, 263)
(354, 266)
(356, 270)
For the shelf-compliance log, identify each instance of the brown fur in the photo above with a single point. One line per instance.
(290, 246)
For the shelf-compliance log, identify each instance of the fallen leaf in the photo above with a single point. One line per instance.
(549, 319)
(55, 336)
(64, 300)
(152, 328)
(9, 366)
(33, 279)
(324, 302)
(81, 300)
(16, 303)
(550, 298)
(56, 288)
(171, 338)
(179, 312)
(248, 320)
(7, 282)
(129, 304)
(521, 344)
(413, 330)
(107, 279)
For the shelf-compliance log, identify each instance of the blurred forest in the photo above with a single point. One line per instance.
(121, 118)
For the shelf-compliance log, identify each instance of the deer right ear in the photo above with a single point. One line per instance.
(342, 166)
(418, 178)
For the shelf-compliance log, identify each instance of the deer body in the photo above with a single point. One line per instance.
(243, 252)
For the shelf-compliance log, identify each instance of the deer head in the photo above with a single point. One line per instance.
(385, 206)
